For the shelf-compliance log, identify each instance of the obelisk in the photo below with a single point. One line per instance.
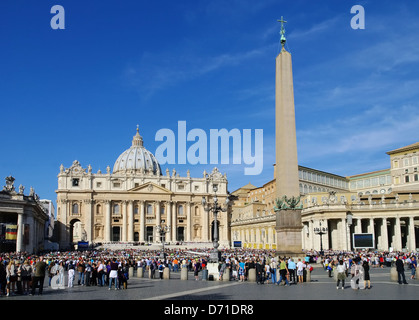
(288, 215)
(286, 139)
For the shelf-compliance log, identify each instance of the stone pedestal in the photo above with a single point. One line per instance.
(308, 275)
(166, 273)
(393, 274)
(252, 275)
(140, 272)
(184, 274)
(288, 233)
(212, 268)
(131, 272)
(226, 274)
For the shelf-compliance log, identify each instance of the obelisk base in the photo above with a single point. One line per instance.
(288, 233)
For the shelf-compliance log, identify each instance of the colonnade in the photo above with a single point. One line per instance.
(389, 232)
(138, 221)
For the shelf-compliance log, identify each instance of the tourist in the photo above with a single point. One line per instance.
(367, 280)
(400, 270)
(113, 275)
(242, 270)
(3, 278)
(283, 272)
(26, 274)
(267, 272)
(260, 272)
(196, 268)
(291, 270)
(88, 273)
(71, 272)
(60, 273)
(51, 270)
(300, 270)
(273, 267)
(160, 267)
(341, 274)
(81, 266)
(11, 277)
(40, 268)
(413, 266)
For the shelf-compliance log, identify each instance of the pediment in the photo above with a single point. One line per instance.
(150, 187)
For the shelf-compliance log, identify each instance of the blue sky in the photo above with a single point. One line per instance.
(79, 93)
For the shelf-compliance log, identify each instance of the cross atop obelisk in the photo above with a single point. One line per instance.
(283, 39)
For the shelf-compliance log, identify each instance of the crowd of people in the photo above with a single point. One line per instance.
(23, 273)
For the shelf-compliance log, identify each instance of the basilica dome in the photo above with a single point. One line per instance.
(137, 159)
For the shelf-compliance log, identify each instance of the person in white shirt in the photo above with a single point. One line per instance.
(341, 271)
(300, 271)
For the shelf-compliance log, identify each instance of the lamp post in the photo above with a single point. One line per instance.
(349, 216)
(162, 230)
(321, 231)
(215, 208)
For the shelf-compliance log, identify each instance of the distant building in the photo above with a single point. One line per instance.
(383, 203)
(131, 202)
(22, 220)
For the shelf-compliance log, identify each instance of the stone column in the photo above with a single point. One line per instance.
(311, 235)
(371, 226)
(168, 235)
(344, 234)
(124, 221)
(188, 222)
(397, 235)
(384, 235)
(88, 219)
(63, 228)
(19, 238)
(158, 214)
(108, 220)
(130, 221)
(358, 227)
(412, 236)
(142, 221)
(174, 221)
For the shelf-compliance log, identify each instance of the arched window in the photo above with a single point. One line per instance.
(149, 209)
(75, 208)
(180, 210)
(98, 209)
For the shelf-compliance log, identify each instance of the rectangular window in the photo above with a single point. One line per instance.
(406, 179)
(75, 182)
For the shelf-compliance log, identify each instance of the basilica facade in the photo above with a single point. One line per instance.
(135, 200)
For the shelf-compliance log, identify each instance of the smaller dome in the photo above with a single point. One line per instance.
(137, 158)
